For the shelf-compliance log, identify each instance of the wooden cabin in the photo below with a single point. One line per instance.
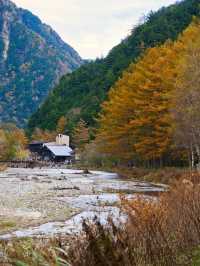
(58, 151)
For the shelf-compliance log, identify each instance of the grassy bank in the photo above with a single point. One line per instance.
(161, 175)
(167, 175)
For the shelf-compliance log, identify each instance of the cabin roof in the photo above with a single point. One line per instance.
(36, 143)
(59, 150)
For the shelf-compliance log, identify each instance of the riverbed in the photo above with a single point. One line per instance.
(46, 202)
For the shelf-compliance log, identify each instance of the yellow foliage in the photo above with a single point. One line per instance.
(12, 142)
(43, 135)
(22, 154)
(136, 120)
(81, 135)
(187, 97)
(61, 125)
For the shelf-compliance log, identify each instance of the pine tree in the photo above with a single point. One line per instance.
(81, 136)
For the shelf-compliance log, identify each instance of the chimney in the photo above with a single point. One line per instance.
(62, 140)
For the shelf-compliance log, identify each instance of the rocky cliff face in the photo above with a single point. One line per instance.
(32, 59)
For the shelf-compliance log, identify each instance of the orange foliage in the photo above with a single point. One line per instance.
(136, 121)
(43, 135)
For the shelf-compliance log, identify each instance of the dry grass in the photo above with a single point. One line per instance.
(3, 167)
(6, 224)
(162, 175)
(164, 232)
(35, 252)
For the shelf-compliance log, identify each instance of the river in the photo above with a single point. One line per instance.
(46, 202)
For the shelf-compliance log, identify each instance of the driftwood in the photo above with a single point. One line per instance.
(86, 172)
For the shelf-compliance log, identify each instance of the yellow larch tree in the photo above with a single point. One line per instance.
(186, 110)
(81, 136)
(136, 120)
(61, 125)
(43, 135)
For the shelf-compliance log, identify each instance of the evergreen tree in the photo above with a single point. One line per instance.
(81, 136)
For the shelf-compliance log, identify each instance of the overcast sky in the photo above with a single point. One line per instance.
(92, 27)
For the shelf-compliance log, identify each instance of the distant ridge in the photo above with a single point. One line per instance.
(32, 59)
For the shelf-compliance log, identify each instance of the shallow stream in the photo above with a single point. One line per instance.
(45, 202)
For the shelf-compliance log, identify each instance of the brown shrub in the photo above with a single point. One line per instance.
(164, 232)
(3, 167)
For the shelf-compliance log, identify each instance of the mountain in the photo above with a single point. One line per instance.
(80, 94)
(32, 59)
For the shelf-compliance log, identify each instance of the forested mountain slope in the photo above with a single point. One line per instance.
(32, 60)
(80, 94)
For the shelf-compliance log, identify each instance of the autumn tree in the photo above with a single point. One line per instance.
(13, 142)
(81, 136)
(61, 125)
(136, 122)
(3, 145)
(187, 98)
(43, 135)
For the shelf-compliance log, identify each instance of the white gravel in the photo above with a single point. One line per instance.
(50, 201)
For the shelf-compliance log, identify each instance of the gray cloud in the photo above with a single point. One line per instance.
(92, 27)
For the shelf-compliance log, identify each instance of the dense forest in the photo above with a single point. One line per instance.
(79, 95)
(152, 113)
